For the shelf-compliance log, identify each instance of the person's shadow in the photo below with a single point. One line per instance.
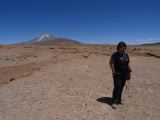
(106, 100)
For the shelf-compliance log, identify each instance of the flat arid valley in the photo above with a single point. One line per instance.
(73, 81)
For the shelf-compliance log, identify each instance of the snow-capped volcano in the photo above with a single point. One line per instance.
(47, 39)
(44, 37)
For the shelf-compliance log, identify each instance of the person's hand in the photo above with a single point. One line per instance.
(115, 74)
(127, 85)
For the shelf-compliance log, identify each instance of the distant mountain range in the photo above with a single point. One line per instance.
(47, 39)
(157, 43)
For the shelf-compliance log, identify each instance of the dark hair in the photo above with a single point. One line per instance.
(121, 44)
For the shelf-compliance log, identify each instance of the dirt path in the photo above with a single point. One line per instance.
(80, 89)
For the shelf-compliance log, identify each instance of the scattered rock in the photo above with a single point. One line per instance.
(134, 49)
(85, 56)
(52, 48)
(151, 54)
(7, 59)
(11, 79)
(105, 54)
(62, 48)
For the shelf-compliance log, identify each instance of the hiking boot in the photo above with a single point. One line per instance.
(114, 106)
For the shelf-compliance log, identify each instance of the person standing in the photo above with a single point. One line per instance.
(119, 63)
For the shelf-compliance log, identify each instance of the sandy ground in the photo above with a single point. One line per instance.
(74, 83)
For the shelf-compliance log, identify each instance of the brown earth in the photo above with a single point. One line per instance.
(74, 82)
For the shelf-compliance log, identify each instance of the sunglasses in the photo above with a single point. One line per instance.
(122, 46)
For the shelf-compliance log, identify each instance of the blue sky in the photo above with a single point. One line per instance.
(88, 21)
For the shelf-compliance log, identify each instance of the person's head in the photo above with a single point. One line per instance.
(121, 46)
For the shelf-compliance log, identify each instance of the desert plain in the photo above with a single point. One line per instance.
(74, 82)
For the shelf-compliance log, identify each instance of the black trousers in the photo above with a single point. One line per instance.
(119, 83)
